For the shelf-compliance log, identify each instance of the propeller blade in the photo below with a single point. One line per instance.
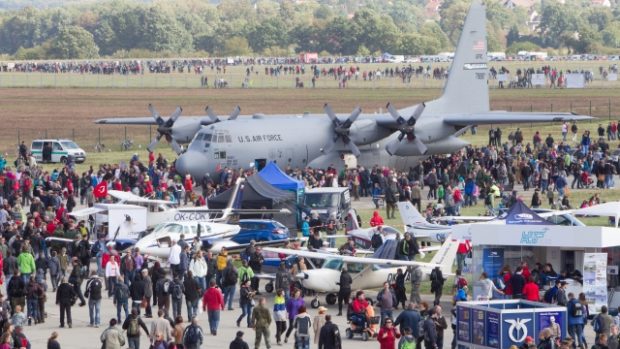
(155, 115)
(418, 111)
(176, 114)
(175, 146)
(329, 148)
(421, 146)
(354, 115)
(235, 113)
(354, 149)
(152, 145)
(211, 114)
(392, 111)
(328, 110)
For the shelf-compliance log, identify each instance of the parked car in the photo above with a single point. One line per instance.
(260, 230)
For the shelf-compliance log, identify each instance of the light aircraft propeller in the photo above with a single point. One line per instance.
(342, 130)
(164, 128)
(407, 129)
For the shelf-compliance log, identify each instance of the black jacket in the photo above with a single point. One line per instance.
(16, 287)
(329, 337)
(238, 343)
(65, 294)
(517, 281)
(192, 290)
(93, 293)
(345, 281)
(136, 290)
(430, 332)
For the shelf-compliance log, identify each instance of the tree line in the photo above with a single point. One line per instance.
(125, 28)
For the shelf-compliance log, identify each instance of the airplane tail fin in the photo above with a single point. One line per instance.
(446, 255)
(409, 214)
(235, 199)
(466, 90)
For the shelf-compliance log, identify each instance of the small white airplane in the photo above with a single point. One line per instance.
(417, 225)
(158, 243)
(367, 273)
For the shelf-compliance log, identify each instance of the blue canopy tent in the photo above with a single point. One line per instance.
(273, 175)
(519, 213)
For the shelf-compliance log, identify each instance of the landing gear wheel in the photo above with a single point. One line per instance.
(349, 333)
(315, 303)
(269, 287)
(365, 336)
(331, 299)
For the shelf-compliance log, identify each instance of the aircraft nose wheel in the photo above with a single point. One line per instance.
(269, 287)
(315, 303)
(331, 299)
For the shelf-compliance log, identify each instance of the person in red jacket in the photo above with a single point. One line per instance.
(387, 335)
(188, 185)
(376, 219)
(526, 270)
(213, 303)
(531, 292)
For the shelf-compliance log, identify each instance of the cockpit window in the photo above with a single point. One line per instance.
(220, 138)
(228, 139)
(207, 137)
(334, 264)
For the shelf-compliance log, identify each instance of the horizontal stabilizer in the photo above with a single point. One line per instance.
(503, 117)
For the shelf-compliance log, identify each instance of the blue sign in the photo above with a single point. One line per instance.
(493, 327)
(478, 324)
(554, 320)
(515, 327)
(463, 322)
(492, 261)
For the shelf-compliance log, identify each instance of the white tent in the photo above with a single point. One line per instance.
(608, 209)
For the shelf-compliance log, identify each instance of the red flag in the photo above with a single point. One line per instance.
(101, 190)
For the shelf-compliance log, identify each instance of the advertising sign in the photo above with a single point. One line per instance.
(492, 261)
(493, 332)
(515, 327)
(478, 325)
(463, 324)
(554, 320)
(576, 80)
(595, 279)
(538, 80)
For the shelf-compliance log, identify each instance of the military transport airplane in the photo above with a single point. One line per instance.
(398, 139)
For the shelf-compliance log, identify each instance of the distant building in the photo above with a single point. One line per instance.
(431, 9)
(512, 4)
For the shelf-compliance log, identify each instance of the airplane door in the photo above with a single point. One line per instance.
(259, 164)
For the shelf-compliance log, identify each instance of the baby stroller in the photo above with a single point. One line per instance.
(359, 324)
(586, 181)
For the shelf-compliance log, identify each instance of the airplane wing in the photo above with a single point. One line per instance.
(130, 197)
(145, 120)
(86, 212)
(349, 259)
(503, 117)
(465, 218)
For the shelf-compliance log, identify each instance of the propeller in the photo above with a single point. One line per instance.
(214, 118)
(407, 129)
(164, 128)
(342, 130)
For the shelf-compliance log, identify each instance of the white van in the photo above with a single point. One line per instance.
(56, 150)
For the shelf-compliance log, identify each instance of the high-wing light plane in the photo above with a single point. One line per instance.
(367, 273)
(399, 138)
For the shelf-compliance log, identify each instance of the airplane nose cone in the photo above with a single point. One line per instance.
(301, 276)
(191, 162)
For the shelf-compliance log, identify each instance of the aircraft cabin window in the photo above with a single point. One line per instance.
(220, 138)
(228, 139)
(334, 264)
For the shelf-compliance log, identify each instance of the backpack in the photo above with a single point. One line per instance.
(303, 326)
(596, 324)
(461, 282)
(94, 287)
(231, 277)
(421, 329)
(134, 328)
(550, 294)
(577, 310)
(191, 335)
(176, 291)
(122, 291)
(405, 344)
(163, 286)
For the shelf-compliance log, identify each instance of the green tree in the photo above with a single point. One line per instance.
(452, 13)
(268, 33)
(236, 46)
(376, 32)
(512, 36)
(162, 32)
(611, 35)
(73, 42)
